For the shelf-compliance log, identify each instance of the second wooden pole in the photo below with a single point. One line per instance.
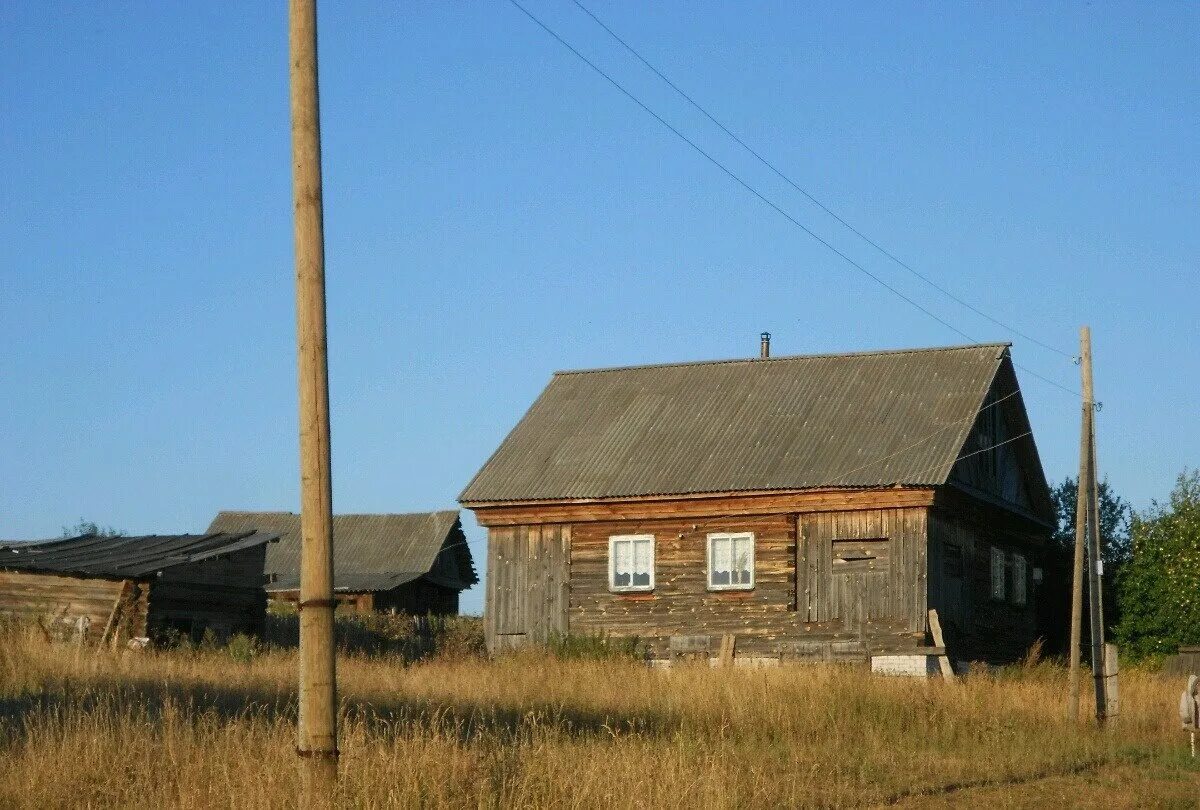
(317, 726)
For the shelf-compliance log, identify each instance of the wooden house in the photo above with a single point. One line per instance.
(812, 506)
(109, 588)
(416, 563)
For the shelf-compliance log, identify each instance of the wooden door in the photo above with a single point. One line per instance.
(547, 560)
(878, 553)
(528, 585)
(860, 571)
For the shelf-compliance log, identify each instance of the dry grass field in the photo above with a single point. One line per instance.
(202, 729)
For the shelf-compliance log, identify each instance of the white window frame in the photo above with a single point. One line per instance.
(708, 556)
(999, 587)
(612, 563)
(1020, 594)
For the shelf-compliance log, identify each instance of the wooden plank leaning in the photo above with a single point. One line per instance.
(110, 627)
(935, 629)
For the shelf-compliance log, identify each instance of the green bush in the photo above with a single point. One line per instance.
(242, 648)
(1159, 588)
(595, 647)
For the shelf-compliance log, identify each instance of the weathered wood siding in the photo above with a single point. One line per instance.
(769, 620)
(46, 597)
(224, 594)
(883, 595)
(978, 626)
(418, 598)
(992, 460)
(527, 585)
(681, 603)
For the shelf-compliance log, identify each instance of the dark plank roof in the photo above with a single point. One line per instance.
(370, 552)
(848, 420)
(102, 557)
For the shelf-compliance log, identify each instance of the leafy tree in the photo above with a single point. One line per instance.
(91, 527)
(1114, 521)
(1054, 600)
(1159, 589)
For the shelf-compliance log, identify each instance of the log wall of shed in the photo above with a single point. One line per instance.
(223, 593)
(48, 597)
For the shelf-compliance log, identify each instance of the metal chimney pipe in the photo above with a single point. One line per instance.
(765, 347)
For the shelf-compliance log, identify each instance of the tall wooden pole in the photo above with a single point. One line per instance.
(317, 727)
(1096, 583)
(1081, 515)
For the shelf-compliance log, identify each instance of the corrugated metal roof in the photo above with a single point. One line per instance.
(102, 557)
(370, 552)
(852, 420)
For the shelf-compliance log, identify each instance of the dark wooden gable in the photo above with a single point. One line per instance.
(999, 459)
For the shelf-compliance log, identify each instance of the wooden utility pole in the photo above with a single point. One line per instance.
(317, 727)
(1087, 535)
(1081, 515)
(1096, 579)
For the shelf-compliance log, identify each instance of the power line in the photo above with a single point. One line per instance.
(770, 203)
(734, 176)
(982, 450)
(779, 173)
(937, 432)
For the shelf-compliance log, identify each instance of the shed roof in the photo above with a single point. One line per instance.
(102, 557)
(836, 420)
(370, 552)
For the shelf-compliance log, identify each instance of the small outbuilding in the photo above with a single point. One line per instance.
(803, 507)
(108, 588)
(415, 563)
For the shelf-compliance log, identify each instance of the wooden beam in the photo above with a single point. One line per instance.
(935, 630)
(731, 504)
(115, 616)
(726, 655)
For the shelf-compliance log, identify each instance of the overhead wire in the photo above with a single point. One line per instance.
(981, 450)
(762, 197)
(787, 179)
(936, 433)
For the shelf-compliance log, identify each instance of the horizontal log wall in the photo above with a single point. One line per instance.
(699, 506)
(978, 627)
(44, 597)
(223, 593)
(764, 620)
(418, 598)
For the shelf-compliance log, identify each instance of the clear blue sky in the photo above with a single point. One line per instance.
(495, 211)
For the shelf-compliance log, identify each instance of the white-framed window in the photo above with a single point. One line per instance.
(1018, 579)
(998, 591)
(631, 562)
(730, 561)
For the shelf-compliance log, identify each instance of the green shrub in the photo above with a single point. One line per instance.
(594, 647)
(242, 648)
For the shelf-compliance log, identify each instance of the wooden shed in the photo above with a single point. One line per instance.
(105, 588)
(811, 506)
(417, 563)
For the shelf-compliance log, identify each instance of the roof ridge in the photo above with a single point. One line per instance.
(784, 358)
(337, 514)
